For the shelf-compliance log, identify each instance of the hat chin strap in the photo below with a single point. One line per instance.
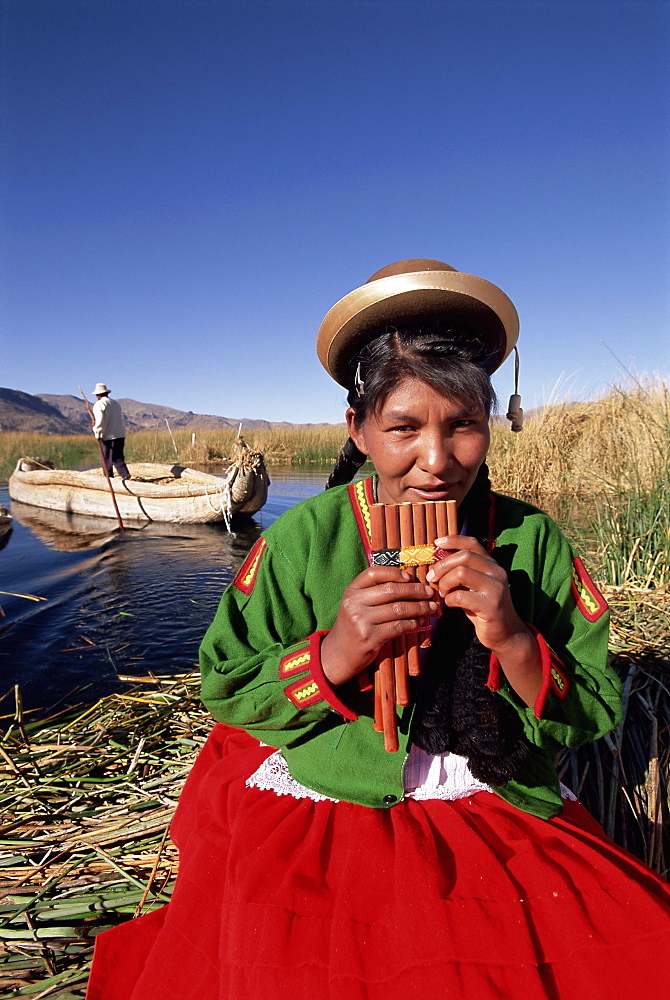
(514, 411)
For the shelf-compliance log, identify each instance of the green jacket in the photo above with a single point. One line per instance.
(261, 668)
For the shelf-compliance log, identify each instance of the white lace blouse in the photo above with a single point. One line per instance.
(427, 776)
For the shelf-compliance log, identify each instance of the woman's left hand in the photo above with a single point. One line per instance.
(470, 579)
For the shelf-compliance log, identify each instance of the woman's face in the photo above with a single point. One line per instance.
(424, 446)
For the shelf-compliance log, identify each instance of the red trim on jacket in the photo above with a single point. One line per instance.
(589, 600)
(362, 496)
(554, 676)
(316, 670)
(248, 571)
(314, 686)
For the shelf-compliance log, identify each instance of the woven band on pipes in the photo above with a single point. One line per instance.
(411, 555)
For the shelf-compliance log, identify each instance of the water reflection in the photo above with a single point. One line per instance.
(82, 602)
(63, 531)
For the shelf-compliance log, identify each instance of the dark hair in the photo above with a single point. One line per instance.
(451, 362)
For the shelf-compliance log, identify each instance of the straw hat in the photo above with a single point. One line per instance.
(100, 389)
(411, 290)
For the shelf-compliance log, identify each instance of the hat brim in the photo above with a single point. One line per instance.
(465, 300)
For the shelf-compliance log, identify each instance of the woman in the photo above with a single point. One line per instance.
(315, 863)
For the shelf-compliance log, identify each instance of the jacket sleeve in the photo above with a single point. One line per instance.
(260, 658)
(580, 698)
(98, 413)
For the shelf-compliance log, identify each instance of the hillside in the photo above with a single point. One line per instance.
(52, 414)
(19, 411)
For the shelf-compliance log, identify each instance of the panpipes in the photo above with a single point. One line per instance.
(404, 535)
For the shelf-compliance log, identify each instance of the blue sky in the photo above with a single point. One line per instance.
(187, 186)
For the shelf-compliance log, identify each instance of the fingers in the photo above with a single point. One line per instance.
(389, 602)
(469, 578)
(386, 585)
(380, 604)
(375, 575)
(464, 554)
(405, 617)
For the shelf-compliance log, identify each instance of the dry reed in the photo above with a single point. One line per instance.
(617, 442)
(87, 798)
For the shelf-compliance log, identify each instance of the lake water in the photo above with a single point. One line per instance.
(115, 603)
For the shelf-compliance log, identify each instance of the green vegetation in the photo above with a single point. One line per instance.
(72, 451)
(632, 537)
(284, 446)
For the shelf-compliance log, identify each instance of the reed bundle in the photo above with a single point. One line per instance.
(87, 799)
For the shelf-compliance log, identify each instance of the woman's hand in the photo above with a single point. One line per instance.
(470, 579)
(381, 603)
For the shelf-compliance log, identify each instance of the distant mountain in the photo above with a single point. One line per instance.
(19, 411)
(50, 414)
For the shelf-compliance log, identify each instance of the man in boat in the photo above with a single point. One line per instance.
(109, 427)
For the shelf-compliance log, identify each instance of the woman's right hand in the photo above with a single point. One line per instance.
(381, 603)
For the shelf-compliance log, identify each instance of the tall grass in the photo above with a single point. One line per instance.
(72, 451)
(290, 446)
(612, 457)
(631, 523)
(280, 445)
(632, 532)
(607, 445)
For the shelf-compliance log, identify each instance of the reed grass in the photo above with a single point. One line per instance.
(632, 537)
(281, 446)
(617, 443)
(71, 451)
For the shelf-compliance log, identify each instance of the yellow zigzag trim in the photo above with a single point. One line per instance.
(585, 594)
(364, 507)
(292, 664)
(308, 691)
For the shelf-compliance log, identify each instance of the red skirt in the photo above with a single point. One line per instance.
(280, 898)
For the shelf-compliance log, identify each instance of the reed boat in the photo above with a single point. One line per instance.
(155, 491)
